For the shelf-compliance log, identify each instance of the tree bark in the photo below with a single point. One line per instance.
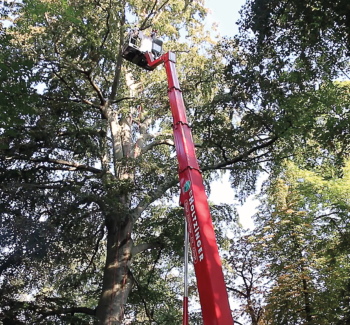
(117, 279)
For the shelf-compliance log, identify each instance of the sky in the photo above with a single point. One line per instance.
(226, 13)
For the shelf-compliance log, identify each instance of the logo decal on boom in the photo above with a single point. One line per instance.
(187, 186)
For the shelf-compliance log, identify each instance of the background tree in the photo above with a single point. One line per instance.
(303, 224)
(247, 279)
(281, 84)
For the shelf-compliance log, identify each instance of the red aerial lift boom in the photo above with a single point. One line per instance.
(146, 52)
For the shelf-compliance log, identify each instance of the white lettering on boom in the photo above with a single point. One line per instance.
(196, 227)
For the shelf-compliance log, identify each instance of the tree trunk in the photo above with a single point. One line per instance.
(307, 303)
(252, 312)
(117, 279)
(346, 294)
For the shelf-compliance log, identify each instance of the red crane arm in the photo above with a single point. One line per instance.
(206, 259)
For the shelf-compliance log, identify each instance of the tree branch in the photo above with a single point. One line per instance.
(78, 310)
(14, 260)
(107, 24)
(115, 83)
(64, 81)
(96, 88)
(143, 26)
(140, 290)
(156, 194)
(241, 157)
(154, 266)
(157, 143)
(97, 245)
(142, 247)
(65, 163)
(237, 291)
(29, 185)
(75, 100)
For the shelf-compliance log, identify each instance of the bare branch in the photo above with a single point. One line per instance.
(85, 101)
(74, 165)
(144, 26)
(140, 291)
(237, 291)
(157, 143)
(64, 81)
(77, 310)
(65, 163)
(96, 248)
(222, 150)
(75, 100)
(96, 88)
(142, 247)
(29, 185)
(156, 194)
(107, 24)
(241, 157)
(154, 265)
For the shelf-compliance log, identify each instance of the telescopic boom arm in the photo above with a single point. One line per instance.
(205, 255)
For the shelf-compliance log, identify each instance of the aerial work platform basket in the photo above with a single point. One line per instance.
(138, 44)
